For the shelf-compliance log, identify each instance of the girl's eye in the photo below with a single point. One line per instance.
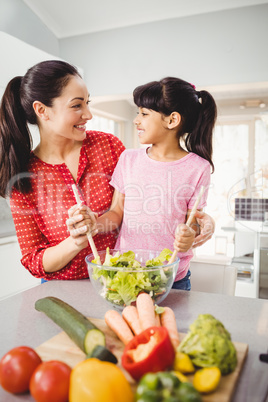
(76, 106)
(142, 113)
(88, 102)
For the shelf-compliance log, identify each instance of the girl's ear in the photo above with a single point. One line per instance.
(174, 120)
(40, 110)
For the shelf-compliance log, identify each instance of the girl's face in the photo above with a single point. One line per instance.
(70, 112)
(151, 126)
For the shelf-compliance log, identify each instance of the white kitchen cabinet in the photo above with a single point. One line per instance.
(14, 277)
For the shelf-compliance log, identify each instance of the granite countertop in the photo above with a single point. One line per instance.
(245, 319)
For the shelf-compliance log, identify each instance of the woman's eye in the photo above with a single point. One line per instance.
(88, 102)
(76, 106)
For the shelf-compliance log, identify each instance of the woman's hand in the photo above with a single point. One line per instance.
(80, 222)
(184, 238)
(207, 228)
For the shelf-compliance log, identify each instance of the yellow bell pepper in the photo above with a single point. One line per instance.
(183, 363)
(207, 379)
(93, 380)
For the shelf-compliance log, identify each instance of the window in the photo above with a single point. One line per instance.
(261, 158)
(241, 170)
(100, 123)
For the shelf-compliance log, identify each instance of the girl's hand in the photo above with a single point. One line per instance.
(184, 238)
(207, 228)
(81, 221)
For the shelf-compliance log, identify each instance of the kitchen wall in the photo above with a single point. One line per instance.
(18, 20)
(18, 57)
(226, 47)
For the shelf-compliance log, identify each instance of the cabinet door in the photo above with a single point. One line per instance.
(264, 261)
(14, 277)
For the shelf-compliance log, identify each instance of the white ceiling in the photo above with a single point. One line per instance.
(67, 18)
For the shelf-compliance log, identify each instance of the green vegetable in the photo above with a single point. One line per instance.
(165, 387)
(103, 354)
(123, 287)
(82, 332)
(209, 344)
(187, 393)
(163, 256)
(158, 309)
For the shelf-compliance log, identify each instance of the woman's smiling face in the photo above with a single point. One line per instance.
(70, 111)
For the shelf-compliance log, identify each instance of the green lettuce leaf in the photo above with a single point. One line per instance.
(165, 255)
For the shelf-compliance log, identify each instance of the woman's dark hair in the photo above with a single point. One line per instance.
(197, 117)
(43, 82)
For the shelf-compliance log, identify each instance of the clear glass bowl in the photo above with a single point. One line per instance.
(120, 286)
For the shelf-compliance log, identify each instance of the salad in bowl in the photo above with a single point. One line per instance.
(119, 276)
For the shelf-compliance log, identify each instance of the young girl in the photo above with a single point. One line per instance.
(156, 187)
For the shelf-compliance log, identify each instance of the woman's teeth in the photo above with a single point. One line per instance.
(81, 127)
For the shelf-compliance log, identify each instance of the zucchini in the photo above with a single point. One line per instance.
(78, 327)
(103, 354)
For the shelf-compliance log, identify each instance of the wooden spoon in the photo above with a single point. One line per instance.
(189, 220)
(90, 238)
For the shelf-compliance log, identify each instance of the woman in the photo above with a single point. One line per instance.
(53, 96)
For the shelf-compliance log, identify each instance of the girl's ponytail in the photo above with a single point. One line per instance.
(15, 141)
(199, 140)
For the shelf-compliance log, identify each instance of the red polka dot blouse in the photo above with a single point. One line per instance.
(40, 215)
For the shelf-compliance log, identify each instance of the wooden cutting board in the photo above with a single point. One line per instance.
(62, 348)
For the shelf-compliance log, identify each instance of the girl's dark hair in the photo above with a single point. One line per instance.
(197, 109)
(43, 82)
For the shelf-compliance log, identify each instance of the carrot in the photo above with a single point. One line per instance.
(157, 320)
(168, 320)
(130, 315)
(115, 321)
(145, 307)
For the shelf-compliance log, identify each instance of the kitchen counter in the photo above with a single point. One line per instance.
(246, 319)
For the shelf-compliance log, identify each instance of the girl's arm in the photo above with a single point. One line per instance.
(112, 219)
(185, 235)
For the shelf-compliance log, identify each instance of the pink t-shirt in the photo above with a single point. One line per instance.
(157, 197)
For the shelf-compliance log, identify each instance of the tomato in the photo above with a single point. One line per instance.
(50, 382)
(17, 367)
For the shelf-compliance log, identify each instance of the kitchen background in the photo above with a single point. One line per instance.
(219, 46)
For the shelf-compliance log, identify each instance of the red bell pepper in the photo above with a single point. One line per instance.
(150, 351)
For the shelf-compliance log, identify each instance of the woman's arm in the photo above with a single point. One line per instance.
(112, 219)
(199, 232)
(207, 227)
(80, 221)
(57, 257)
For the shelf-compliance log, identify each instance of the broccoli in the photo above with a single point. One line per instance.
(208, 344)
